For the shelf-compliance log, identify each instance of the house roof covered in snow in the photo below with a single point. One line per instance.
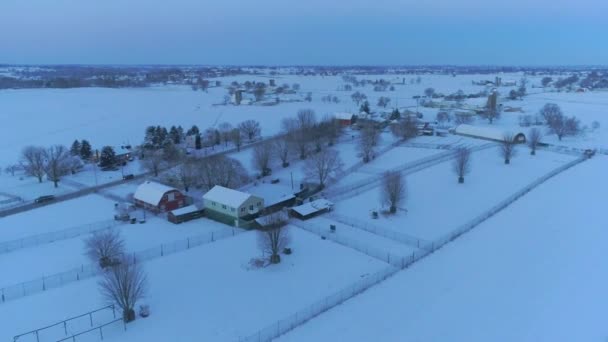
(343, 116)
(229, 197)
(313, 207)
(491, 133)
(151, 192)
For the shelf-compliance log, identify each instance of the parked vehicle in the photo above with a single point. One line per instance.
(43, 199)
(129, 176)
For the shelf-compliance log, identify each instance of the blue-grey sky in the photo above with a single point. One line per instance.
(314, 32)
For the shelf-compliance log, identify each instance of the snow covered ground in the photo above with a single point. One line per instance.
(208, 293)
(534, 272)
(436, 204)
(50, 258)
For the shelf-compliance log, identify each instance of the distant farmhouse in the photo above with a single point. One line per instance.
(231, 206)
(158, 197)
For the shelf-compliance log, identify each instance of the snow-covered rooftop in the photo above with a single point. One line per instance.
(229, 197)
(491, 133)
(185, 210)
(313, 207)
(343, 116)
(151, 192)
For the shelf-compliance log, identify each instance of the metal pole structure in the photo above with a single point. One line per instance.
(291, 172)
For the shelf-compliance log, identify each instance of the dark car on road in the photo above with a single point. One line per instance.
(43, 199)
(129, 176)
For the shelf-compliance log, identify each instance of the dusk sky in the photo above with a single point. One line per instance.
(313, 32)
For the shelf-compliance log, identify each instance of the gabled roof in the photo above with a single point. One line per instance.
(229, 197)
(343, 116)
(152, 192)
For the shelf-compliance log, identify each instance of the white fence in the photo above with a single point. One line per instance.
(87, 271)
(69, 233)
(353, 189)
(287, 324)
(280, 327)
(384, 232)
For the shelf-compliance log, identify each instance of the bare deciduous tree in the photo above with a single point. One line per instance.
(237, 138)
(124, 284)
(323, 165)
(223, 171)
(281, 149)
(462, 163)
(153, 162)
(56, 158)
(443, 117)
(12, 169)
(357, 97)
(368, 140)
(105, 248)
(558, 123)
(186, 173)
(250, 128)
(225, 129)
(383, 101)
(534, 138)
(33, 161)
(274, 236)
(507, 147)
(262, 155)
(393, 190)
(405, 128)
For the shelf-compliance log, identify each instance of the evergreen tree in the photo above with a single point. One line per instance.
(180, 131)
(395, 115)
(107, 157)
(174, 134)
(193, 131)
(86, 152)
(149, 138)
(365, 107)
(75, 149)
(218, 137)
(197, 142)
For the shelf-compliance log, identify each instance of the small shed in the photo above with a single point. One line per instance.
(311, 209)
(185, 214)
(158, 197)
(488, 133)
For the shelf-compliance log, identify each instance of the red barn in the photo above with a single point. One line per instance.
(158, 197)
(345, 119)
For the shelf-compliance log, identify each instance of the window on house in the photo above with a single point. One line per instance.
(223, 206)
(213, 203)
(259, 204)
(251, 207)
(243, 209)
(171, 196)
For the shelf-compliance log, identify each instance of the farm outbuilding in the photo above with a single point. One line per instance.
(158, 197)
(311, 209)
(345, 119)
(488, 133)
(185, 214)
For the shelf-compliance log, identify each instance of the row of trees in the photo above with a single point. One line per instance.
(54, 162)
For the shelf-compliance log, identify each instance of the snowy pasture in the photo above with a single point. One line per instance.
(436, 204)
(209, 292)
(55, 257)
(533, 272)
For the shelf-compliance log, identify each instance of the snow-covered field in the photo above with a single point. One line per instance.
(208, 293)
(534, 272)
(436, 204)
